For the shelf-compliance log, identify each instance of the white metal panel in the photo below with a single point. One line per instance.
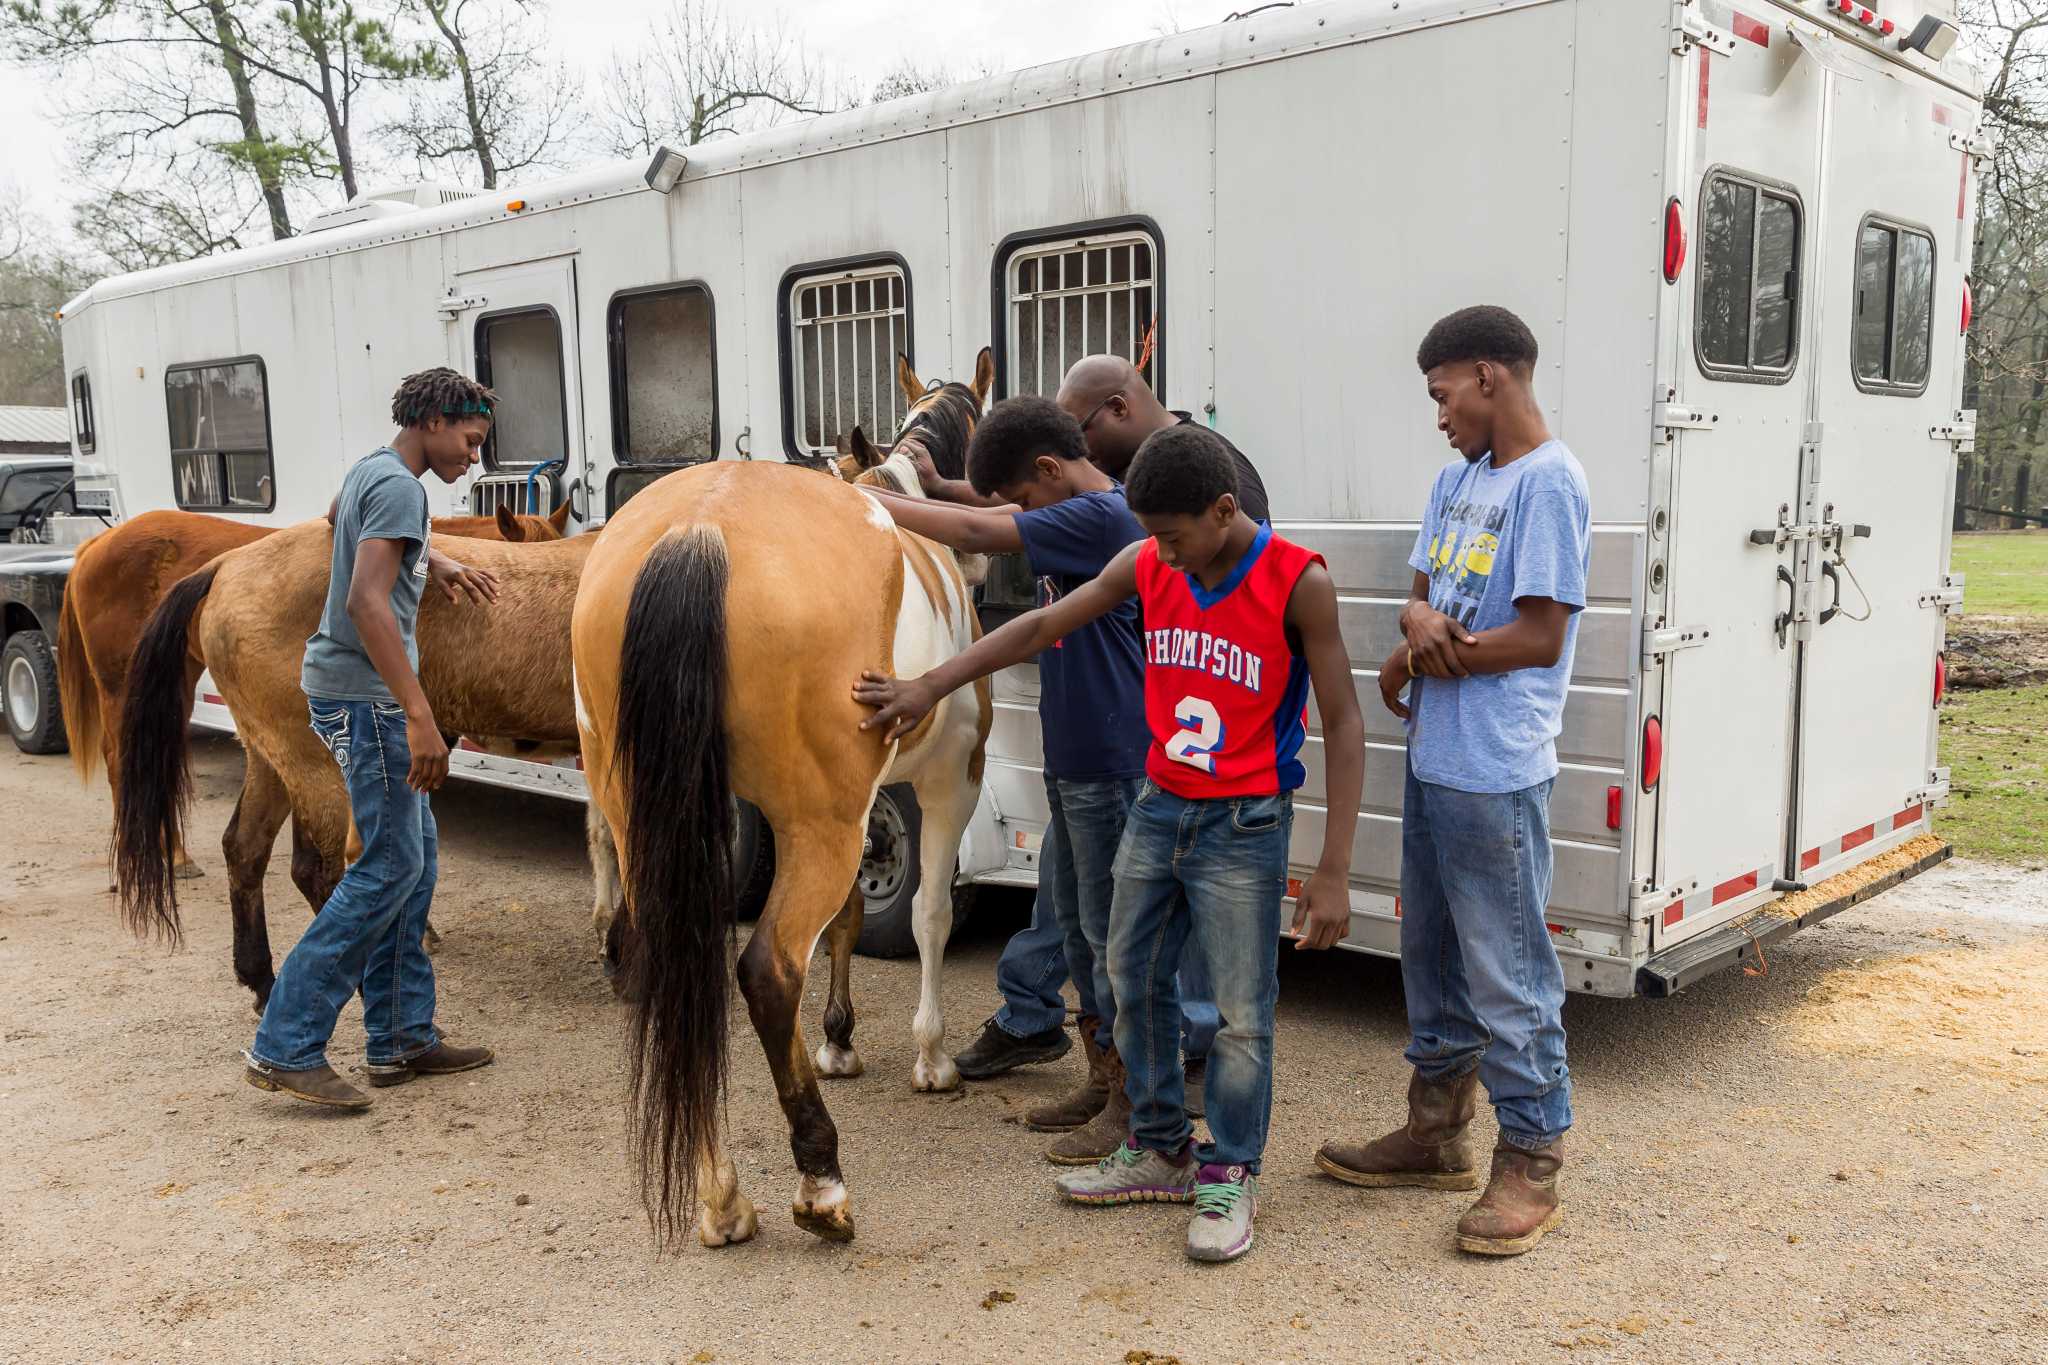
(386, 326)
(286, 317)
(1868, 718)
(1727, 703)
(1336, 253)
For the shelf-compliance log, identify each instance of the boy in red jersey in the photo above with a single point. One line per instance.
(1239, 623)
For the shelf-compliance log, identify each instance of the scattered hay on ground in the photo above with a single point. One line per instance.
(1842, 884)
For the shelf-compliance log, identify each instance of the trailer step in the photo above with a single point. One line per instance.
(1742, 940)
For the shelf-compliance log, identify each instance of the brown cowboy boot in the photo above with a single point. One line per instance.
(1085, 1100)
(316, 1084)
(1520, 1203)
(1109, 1129)
(1429, 1151)
(443, 1059)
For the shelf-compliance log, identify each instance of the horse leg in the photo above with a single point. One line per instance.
(604, 872)
(260, 812)
(725, 1215)
(814, 866)
(836, 1057)
(946, 800)
(182, 866)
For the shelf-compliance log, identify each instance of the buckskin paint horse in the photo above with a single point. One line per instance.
(827, 585)
(499, 670)
(118, 578)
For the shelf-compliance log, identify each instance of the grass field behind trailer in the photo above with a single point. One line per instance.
(1995, 742)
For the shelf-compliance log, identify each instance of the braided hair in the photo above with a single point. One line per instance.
(439, 392)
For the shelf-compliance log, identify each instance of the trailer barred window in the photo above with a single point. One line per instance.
(519, 354)
(1080, 296)
(844, 330)
(664, 385)
(1894, 307)
(220, 435)
(1748, 310)
(81, 412)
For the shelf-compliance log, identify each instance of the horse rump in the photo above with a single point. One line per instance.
(156, 774)
(670, 753)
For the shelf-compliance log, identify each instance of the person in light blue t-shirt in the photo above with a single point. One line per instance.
(1500, 580)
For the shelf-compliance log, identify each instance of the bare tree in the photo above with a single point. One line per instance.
(500, 101)
(705, 75)
(36, 278)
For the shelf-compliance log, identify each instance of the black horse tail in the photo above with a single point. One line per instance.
(156, 776)
(670, 756)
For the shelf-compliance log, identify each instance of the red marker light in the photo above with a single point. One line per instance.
(1940, 677)
(1653, 752)
(1674, 240)
(1614, 808)
(1969, 305)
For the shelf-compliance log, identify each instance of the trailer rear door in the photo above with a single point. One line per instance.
(1886, 373)
(1743, 349)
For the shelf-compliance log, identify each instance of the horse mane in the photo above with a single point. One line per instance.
(943, 428)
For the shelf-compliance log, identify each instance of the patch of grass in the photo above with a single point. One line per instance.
(2008, 574)
(1995, 744)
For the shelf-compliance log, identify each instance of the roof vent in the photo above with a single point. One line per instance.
(387, 202)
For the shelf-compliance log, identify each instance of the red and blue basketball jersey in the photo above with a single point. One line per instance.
(1226, 696)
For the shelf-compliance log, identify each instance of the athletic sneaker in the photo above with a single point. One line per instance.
(995, 1051)
(1132, 1175)
(1226, 1197)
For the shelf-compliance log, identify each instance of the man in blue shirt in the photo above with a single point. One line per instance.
(1069, 519)
(361, 679)
(1500, 579)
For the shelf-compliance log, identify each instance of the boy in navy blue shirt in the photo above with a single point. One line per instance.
(1069, 519)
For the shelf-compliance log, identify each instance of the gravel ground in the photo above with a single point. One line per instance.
(1751, 1178)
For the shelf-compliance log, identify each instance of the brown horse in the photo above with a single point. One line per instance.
(825, 585)
(118, 577)
(500, 670)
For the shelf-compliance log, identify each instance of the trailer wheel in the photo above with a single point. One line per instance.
(28, 674)
(889, 875)
(753, 860)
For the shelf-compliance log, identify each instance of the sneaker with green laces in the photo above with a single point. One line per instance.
(1226, 1198)
(1132, 1175)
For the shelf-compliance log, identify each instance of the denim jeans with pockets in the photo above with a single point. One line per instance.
(1069, 929)
(1208, 876)
(1483, 981)
(367, 936)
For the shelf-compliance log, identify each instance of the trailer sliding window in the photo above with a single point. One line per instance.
(664, 380)
(1894, 325)
(1087, 290)
(220, 435)
(81, 412)
(519, 354)
(843, 325)
(1747, 316)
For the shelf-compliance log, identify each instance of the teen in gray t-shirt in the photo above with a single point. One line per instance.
(380, 500)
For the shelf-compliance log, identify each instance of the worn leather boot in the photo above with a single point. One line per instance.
(1085, 1100)
(317, 1085)
(1520, 1203)
(1107, 1131)
(443, 1059)
(1429, 1151)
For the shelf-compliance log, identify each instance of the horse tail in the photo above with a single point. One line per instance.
(79, 698)
(156, 776)
(670, 753)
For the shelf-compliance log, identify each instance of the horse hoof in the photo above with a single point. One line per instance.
(185, 872)
(833, 1224)
(738, 1225)
(839, 1063)
(934, 1078)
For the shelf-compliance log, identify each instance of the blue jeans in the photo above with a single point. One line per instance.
(1482, 977)
(1069, 929)
(1207, 875)
(367, 936)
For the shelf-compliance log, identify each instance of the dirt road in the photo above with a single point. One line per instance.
(1839, 1160)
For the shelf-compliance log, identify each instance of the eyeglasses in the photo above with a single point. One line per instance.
(1097, 409)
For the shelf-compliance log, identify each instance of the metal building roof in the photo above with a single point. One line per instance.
(35, 426)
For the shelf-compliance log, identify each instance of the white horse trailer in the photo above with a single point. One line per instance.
(1741, 232)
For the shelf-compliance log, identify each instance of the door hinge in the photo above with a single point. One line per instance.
(1934, 792)
(1959, 431)
(1650, 900)
(455, 305)
(1658, 641)
(1948, 597)
(1672, 417)
(1981, 143)
(1692, 27)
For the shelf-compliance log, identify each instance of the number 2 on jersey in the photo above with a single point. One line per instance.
(1196, 746)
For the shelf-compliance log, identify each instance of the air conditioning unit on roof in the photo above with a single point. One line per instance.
(388, 201)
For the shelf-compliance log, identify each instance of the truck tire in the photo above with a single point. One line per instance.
(889, 875)
(753, 860)
(28, 678)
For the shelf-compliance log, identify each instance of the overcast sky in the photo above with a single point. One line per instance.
(864, 37)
